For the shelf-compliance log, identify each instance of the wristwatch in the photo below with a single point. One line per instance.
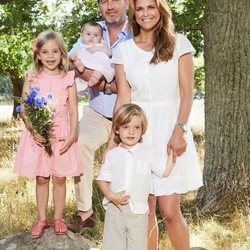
(107, 89)
(183, 126)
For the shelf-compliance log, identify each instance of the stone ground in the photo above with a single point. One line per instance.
(196, 118)
(48, 241)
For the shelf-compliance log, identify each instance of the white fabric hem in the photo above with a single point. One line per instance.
(182, 191)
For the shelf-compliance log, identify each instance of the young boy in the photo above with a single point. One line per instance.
(93, 55)
(125, 180)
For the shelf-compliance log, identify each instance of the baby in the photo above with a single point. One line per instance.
(93, 54)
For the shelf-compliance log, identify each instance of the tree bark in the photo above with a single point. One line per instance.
(17, 91)
(5, 1)
(227, 108)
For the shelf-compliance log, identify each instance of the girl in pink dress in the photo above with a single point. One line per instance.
(51, 75)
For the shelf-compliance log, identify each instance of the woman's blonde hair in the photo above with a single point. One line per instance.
(40, 40)
(164, 36)
(124, 115)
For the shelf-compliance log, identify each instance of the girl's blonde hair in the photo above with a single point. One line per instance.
(124, 115)
(164, 37)
(40, 40)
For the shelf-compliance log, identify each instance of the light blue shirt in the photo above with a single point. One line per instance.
(98, 101)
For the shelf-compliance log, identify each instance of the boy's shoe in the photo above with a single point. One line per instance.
(38, 229)
(79, 224)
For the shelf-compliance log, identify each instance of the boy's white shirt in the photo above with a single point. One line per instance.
(131, 170)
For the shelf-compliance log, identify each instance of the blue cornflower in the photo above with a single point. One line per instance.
(40, 101)
(29, 100)
(33, 91)
(43, 101)
(19, 108)
(49, 95)
(39, 115)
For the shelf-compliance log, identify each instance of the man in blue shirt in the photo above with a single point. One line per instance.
(95, 124)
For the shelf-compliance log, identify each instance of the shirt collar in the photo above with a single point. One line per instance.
(124, 30)
(131, 150)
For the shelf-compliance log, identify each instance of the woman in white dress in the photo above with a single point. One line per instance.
(155, 70)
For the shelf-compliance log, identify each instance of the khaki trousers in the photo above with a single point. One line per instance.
(124, 230)
(94, 130)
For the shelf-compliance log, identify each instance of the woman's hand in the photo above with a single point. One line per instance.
(68, 141)
(177, 143)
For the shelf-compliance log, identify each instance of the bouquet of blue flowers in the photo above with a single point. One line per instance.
(39, 113)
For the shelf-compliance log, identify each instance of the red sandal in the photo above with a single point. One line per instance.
(38, 229)
(60, 228)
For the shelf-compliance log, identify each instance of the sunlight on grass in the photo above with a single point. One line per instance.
(6, 176)
(212, 234)
(9, 139)
(18, 204)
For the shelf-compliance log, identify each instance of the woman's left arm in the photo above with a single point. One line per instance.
(186, 81)
(73, 114)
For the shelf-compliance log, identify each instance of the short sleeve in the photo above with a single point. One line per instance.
(105, 172)
(183, 45)
(69, 78)
(117, 57)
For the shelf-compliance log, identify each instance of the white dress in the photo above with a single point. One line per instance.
(156, 89)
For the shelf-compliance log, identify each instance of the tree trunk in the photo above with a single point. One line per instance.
(227, 108)
(17, 91)
(5, 1)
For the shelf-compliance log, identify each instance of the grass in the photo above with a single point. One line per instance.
(18, 209)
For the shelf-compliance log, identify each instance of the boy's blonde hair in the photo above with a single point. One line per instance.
(124, 115)
(40, 40)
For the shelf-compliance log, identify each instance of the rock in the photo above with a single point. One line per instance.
(48, 241)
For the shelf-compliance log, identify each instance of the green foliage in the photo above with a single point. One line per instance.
(5, 87)
(15, 58)
(199, 74)
(21, 21)
(82, 11)
(187, 17)
(199, 79)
